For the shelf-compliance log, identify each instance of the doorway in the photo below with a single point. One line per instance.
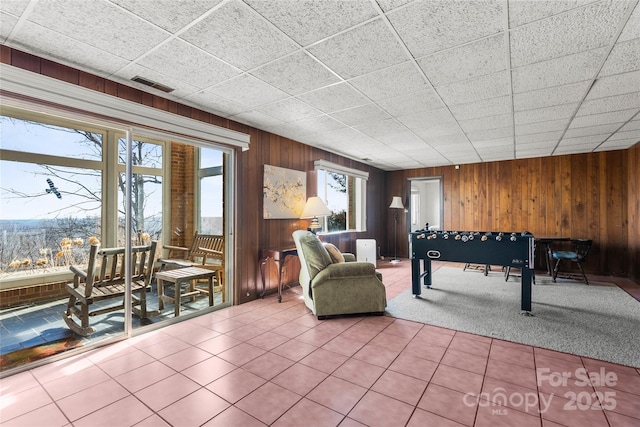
(426, 203)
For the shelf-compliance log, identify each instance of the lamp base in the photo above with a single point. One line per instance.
(395, 261)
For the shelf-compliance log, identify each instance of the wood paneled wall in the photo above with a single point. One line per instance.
(578, 196)
(589, 195)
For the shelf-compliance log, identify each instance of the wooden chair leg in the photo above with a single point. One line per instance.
(555, 270)
(583, 275)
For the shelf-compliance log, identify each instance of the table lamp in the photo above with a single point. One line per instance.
(314, 208)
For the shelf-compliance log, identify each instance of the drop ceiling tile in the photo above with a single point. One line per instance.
(362, 50)
(485, 87)
(615, 85)
(236, 34)
(483, 135)
(318, 124)
(591, 139)
(485, 123)
(408, 103)
(632, 125)
(545, 114)
(624, 57)
(523, 11)
(289, 110)
(296, 74)
(51, 45)
(542, 127)
(14, 7)
(630, 134)
(381, 128)
(484, 108)
(534, 138)
(485, 56)
(215, 104)
(574, 149)
(602, 118)
(261, 120)
(359, 115)
(498, 142)
(388, 5)
(558, 71)
(402, 140)
(310, 21)
(437, 131)
(551, 96)
(427, 119)
(452, 139)
(108, 25)
(334, 98)
(609, 104)
(496, 150)
(186, 62)
(7, 23)
(529, 154)
(592, 130)
(632, 28)
(248, 91)
(427, 27)
(169, 14)
(540, 145)
(393, 81)
(578, 30)
(617, 145)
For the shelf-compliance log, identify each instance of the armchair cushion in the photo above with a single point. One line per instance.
(316, 256)
(334, 253)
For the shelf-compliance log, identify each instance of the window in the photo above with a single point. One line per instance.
(211, 190)
(62, 186)
(344, 191)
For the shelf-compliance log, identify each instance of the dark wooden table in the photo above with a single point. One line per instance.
(279, 256)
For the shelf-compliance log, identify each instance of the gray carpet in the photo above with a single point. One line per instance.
(598, 320)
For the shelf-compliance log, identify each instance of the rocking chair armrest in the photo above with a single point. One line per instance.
(176, 248)
(211, 251)
(78, 272)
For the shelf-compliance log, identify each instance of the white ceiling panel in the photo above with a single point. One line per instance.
(485, 87)
(623, 58)
(431, 26)
(550, 97)
(369, 47)
(296, 74)
(558, 71)
(475, 59)
(170, 15)
(183, 61)
(404, 83)
(581, 29)
(308, 21)
(393, 81)
(334, 98)
(238, 35)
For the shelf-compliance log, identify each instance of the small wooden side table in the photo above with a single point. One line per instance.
(279, 256)
(179, 277)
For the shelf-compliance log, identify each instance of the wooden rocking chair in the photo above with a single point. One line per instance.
(105, 279)
(206, 251)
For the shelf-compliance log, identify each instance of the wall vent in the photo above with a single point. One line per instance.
(152, 84)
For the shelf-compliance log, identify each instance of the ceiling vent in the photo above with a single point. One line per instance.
(152, 84)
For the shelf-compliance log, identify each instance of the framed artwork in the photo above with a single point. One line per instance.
(285, 192)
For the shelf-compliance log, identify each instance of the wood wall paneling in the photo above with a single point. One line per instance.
(593, 195)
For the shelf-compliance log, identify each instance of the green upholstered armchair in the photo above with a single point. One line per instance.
(332, 287)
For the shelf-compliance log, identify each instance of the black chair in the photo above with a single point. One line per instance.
(578, 255)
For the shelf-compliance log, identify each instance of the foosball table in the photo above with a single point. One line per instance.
(488, 248)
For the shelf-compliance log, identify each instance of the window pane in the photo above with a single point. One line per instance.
(41, 138)
(210, 158)
(146, 208)
(145, 153)
(211, 205)
(46, 226)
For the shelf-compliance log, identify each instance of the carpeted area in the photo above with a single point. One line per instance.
(598, 320)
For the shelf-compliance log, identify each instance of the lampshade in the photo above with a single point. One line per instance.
(314, 207)
(396, 203)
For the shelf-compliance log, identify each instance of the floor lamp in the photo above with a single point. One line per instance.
(396, 204)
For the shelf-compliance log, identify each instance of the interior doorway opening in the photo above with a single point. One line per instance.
(426, 203)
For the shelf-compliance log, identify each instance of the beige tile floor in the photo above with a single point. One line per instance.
(265, 363)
